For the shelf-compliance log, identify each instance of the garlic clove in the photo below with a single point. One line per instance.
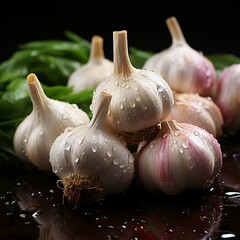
(182, 156)
(90, 161)
(185, 69)
(36, 133)
(227, 98)
(198, 110)
(140, 98)
(97, 68)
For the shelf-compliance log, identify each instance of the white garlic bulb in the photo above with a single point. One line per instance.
(97, 68)
(140, 98)
(227, 98)
(91, 162)
(49, 117)
(198, 110)
(184, 68)
(183, 156)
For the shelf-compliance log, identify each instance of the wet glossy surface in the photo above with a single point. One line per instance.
(31, 207)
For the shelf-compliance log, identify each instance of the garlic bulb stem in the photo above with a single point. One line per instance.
(36, 93)
(122, 64)
(98, 119)
(175, 31)
(97, 52)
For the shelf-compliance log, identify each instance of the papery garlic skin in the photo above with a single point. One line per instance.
(183, 156)
(198, 110)
(98, 67)
(227, 98)
(49, 117)
(140, 98)
(88, 151)
(185, 69)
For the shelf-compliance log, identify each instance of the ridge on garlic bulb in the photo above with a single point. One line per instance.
(184, 68)
(198, 110)
(49, 117)
(183, 156)
(90, 161)
(140, 98)
(97, 68)
(227, 98)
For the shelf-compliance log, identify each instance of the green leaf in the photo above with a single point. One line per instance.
(139, 57)
(220, 61)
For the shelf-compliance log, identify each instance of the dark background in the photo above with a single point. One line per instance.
(208, 27)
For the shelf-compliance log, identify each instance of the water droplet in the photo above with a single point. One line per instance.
(180, 150)
(132, 104)
(176, 133)
(121, 105)
(160, 89)
(41, 133)
(185, 143)
(228, 235)
(153, 143)
(54, 169)
(116, 161)
(76, 160)
(138, 99)
(67, 147)
(23, 215)
(36, 214)
(94, 146)
(196, 133)
(109, 153)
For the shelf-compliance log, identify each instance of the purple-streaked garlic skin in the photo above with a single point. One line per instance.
(140, 98)
(228, 98)
(185, 69)
(183, 156)
(198, 110)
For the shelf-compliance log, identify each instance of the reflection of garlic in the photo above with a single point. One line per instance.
(91, 162)
(182, 156)
(140, 98)
(94, 71)
(198, 110)
(36, 133)
(185, 69)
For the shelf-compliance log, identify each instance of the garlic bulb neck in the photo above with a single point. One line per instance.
(175, 31)
(96, 51)
(122, 64)
(36, 92)
(99, 118)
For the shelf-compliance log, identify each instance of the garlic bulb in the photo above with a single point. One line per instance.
(94, 71)
(182, 156)
(227, 98)
(91, 162)
(184, 68)
(198, 110)
(140, 98)
(49, 117)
